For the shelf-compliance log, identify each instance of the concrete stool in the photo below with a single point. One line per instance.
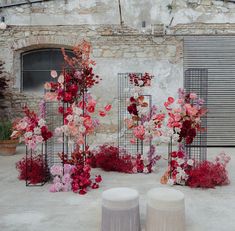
(120, 210)
(165, 210)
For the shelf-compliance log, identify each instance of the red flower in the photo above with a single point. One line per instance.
(189, 140)
(132, 109)
(67, 97)
(98, 179)
(94, 186)
(180, 154)
(174, 164)
(174, 154)
(102, 113)
(82, 191)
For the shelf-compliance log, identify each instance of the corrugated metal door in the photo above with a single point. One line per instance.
(217, 55)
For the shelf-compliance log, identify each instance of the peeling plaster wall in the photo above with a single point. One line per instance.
(116, 49)
(75, 12)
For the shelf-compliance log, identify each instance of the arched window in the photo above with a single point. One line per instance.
(36, 66)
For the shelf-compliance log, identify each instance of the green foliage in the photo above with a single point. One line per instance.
(5, 130)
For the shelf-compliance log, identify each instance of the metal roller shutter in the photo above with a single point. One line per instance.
(216, 55)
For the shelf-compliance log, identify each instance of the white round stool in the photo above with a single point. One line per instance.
(165, 210)
(120, 210)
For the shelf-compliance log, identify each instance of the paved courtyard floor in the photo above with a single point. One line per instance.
(36, 209)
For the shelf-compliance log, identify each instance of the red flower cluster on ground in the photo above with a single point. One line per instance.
(208, 175)
(36, 170)
(111, 158)
(140, 80)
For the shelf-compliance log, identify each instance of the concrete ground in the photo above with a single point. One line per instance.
(36, 209)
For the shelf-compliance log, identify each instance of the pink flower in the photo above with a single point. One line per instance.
(139, 132)
(54, 73)
(58, 186)
(133, 141)
(39, 139)
(52, 188)
(193, 96)
(50, 96)
(67, 168)
(47, 86)
(66, 179)
(180, 101)
(56, 179)
(56, 170)
(108, 107)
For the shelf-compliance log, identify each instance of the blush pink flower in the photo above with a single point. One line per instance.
(54, 73)
(139, 132)
(193, 96)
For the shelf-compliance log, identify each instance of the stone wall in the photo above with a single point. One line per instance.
(116, 49)
(77, 12)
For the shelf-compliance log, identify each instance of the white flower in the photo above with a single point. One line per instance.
(23, 124)
(77, 110)
(175, 137)
(39, 139)
(28, 134)
(170, 182)
(41, 122)
(178, 169)
(58, 131)
(61, 78)
(136, 95)
(180, 161)
(37, 131)
(65, 130)
(69, 118)
(190, 162)
(142, 110)
(140, 82)
(82, 129)
(77, 119)
(145, 170)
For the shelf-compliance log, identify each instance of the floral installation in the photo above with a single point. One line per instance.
(184, 115)
(112, 158)
(31, 129)
(206, 174)
(61, 177)
(80, 112)
(179, 168)
(145, 121)
(80, 174)
(79, 121)
(34, 167)
(210, 174)
(76, 78)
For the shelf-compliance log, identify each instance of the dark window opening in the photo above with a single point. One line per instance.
(37, 65)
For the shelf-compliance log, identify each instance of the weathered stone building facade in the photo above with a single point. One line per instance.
(157, 49)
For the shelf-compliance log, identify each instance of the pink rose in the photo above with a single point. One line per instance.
(52, 188)
(193, 96)
(54, 73)
(139, 132)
